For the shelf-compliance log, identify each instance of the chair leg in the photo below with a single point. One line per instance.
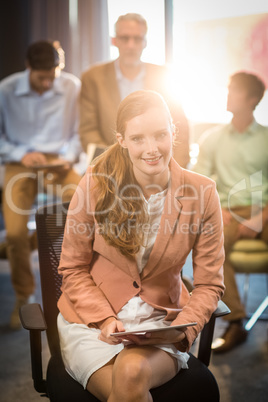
(246, 288)
(257, 314)
(206, 337)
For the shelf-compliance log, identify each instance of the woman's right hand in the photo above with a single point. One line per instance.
(108, 326)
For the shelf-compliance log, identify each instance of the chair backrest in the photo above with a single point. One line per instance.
(50, 223)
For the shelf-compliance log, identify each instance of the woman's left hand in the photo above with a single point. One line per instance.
(158, 337)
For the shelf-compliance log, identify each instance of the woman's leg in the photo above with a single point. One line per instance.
(100, 382)
(132, 374)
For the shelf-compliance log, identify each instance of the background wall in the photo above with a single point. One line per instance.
(14, 35)
(211, 39)
(25, 21)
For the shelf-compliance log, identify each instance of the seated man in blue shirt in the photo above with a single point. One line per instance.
(39, 142)
(236, 156)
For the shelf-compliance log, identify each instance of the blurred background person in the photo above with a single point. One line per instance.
(105, 85)
(236, 156)
(39, 144)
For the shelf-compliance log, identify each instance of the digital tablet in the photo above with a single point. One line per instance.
(144, 331)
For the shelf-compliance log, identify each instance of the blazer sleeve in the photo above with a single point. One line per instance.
(208, 259)
(78, 287)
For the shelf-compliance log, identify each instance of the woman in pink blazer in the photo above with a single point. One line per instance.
(135, 217)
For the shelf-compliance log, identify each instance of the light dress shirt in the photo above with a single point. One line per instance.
(46, 123)
(127, 86)
(238, 162)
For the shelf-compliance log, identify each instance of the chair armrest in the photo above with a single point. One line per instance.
(207, 332)
(221, 310)
(32, 319)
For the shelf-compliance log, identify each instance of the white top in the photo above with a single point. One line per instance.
(136, 310)
(154, 208)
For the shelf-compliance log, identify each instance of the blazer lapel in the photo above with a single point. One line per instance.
(167, 227)
(169, 219)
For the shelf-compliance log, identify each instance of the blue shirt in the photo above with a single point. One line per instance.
(46, 123)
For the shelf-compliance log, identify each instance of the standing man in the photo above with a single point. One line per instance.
(105, 85)
(39, 143)
(236, 155)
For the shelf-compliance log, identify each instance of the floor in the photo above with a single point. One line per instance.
(242, 374)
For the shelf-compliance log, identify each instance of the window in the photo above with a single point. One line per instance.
(213, 39)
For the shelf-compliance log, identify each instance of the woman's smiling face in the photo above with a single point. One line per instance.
(148, 138)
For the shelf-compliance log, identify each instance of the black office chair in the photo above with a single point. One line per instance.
(195, 384)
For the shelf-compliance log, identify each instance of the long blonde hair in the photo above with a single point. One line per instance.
(120, 208)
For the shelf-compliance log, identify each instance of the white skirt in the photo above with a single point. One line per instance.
(83, 353)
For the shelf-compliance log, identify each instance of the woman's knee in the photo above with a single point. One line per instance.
(133, 372)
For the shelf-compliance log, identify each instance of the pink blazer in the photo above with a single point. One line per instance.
(98, 280)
